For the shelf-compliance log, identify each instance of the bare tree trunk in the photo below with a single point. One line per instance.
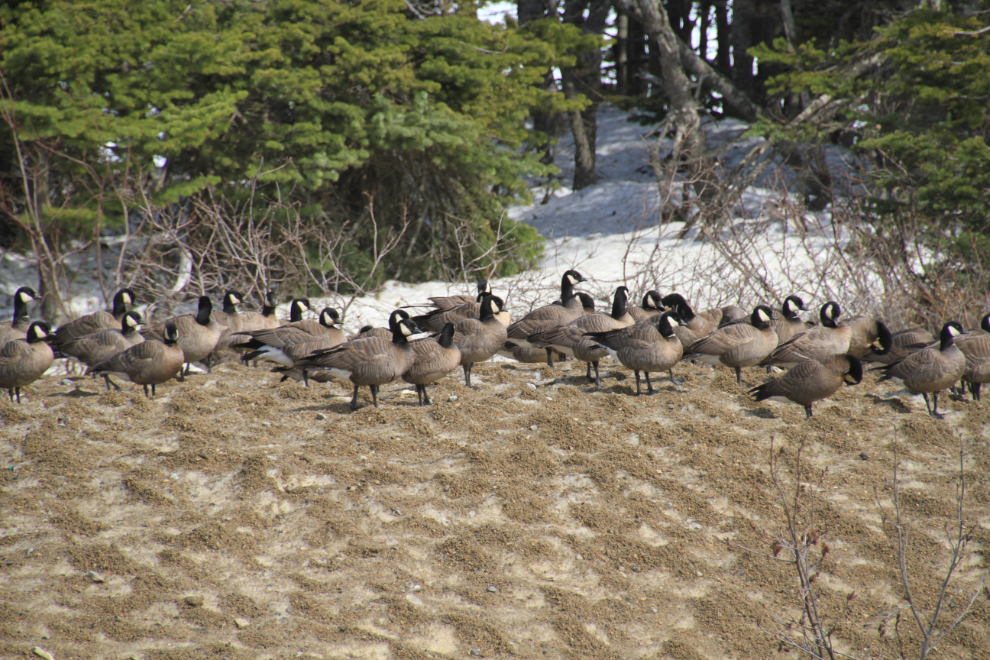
(742, 39)
(723, 34)
(545, 123)
(585, 78)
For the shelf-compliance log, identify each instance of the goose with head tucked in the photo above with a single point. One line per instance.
(449, 302)
(435, 358)
(694, 326)
(435, 320)
(737, 345)
(23, 361)
(812, 380)
(931, 370)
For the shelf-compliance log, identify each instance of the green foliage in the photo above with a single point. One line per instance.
(332, 102)
(923, 120)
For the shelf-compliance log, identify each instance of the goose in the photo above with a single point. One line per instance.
(444, 303)
(790, 322)
(435, 358)
(647, 346)
(570, 339)
(101, 346)
(931, 369)
(384, 333)
(818, 342)
(17, 327)
(152, 362)
(102, 320)
(976, 347)
(198, 335)
(652, 305)
(368, 361)
(435, 320)
(737, 345)
(527, 354)
(288, 343)
(890, 348)
(23, 361)
(566, 310)
(479, 339)
(863, 332)
(812, 380)
(297, 308)
(694, 326)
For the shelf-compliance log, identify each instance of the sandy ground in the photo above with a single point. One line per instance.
(236, 517)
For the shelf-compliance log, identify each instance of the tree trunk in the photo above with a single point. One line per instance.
(544, 123)
(585, 78)
(723, 34)
(742, 39)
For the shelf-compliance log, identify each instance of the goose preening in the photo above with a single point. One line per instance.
(197, 334)
(812, 380)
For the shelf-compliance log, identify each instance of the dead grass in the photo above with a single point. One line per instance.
(224, 519)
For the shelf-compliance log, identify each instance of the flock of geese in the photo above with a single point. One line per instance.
(466, 329)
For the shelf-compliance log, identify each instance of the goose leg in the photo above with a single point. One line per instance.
(637, 384)
(426, 397)
(374, 394)
(153, 392)
(588, 373)
(550, 357)
(975, 389)
(146, 395)
(18, 390)
(305, 377)
(927, 403)
(649, 386)
(935, 404)
(10, 393)
(183, 372)
(467, 374)
(209, 363)
(354, 399)
(739, 376)
(807, 411)
(598, 377)
(110, 382)
(675, 381)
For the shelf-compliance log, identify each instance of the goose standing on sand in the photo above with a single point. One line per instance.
(197, 335)
(812, 380)
(931, 369)
(566, 310)
(737, 345)
(152, 362)
(435, 358)
(570, 339)
(479, 339)
(17, 327)
(647, 346)
(368, 361)
(101, 346)
(23, 361)
(95, 322)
